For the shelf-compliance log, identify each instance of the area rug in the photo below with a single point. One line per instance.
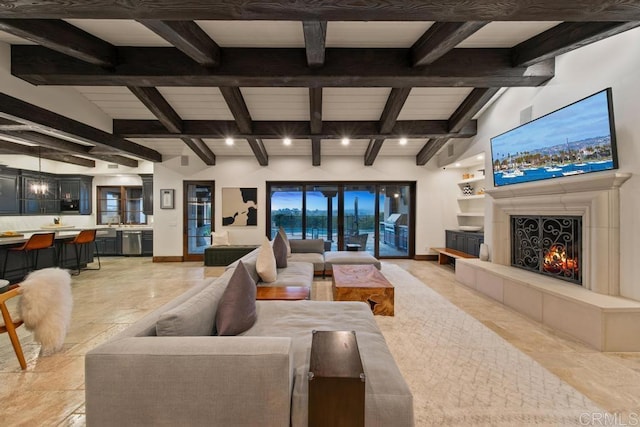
(460, 372)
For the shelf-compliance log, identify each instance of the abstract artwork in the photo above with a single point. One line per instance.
(240, 206)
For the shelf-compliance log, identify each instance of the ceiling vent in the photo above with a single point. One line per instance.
(184, 160)
(112, 166)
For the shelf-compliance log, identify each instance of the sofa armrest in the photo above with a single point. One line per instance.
(190, 380)
(307, 246)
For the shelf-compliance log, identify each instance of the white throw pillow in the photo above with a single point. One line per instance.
(266, 262)
(220, 238)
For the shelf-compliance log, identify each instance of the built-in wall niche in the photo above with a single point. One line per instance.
(471, 192)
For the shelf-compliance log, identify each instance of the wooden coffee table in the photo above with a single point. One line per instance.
(363, 283)
(289, 293)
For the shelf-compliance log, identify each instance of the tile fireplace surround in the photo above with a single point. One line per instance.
(594, 312)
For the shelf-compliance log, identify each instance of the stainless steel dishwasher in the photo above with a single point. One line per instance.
(131, 242)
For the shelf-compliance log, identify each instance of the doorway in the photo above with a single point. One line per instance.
(198, 218)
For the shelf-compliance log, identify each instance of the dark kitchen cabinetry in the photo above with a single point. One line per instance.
(9, 203)
(75, 194)
(147, 193)
(464, 241)
(35, 200)
(110, 244)
(147, 242)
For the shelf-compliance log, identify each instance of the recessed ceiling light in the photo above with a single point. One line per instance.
(457, 165)
(345, 141)
(286, 141)
(403, 141)
(228, 141)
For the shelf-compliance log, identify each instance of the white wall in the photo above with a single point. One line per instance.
(614, 63)
(436, 191)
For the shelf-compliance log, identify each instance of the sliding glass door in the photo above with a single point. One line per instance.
(376, 217)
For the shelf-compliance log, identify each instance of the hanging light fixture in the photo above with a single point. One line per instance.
(39, 187)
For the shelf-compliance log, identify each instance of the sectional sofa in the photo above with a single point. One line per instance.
(260, 377)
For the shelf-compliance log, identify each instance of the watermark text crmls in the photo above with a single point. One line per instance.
(609, 419)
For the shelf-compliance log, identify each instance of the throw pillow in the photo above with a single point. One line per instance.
(280, 251)
(266, 262)
(286, 240)
(237, 308)
(220, 238)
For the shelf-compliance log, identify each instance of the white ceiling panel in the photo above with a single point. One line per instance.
(165, 146)
(334, 147)
(286, 103)
(197, 103)
(254, 33)
(433, 103)
(11, 39)
(391, 147)
(117, 102)
(353, 103)
(506, 34)
(120, 32)
(374, 33)
(219, 147)
(298, 147)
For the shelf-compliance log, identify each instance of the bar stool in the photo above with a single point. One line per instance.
(83, 238)
(35, 243)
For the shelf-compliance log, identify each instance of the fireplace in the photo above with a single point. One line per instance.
(549, 245)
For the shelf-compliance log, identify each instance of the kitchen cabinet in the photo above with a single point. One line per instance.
(34, 203)
(147, 193)
(147, 242)
(110, 244)
(464, 241)
(9, 204)
(77, 188)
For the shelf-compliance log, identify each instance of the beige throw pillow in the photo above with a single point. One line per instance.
(266, 262)
(220, 238)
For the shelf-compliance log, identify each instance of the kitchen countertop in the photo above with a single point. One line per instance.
(66, 232)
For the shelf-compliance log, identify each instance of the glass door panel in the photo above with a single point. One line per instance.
(198, 217)
(286, 210)
(359, 228)
(394, 207)
(321, 203)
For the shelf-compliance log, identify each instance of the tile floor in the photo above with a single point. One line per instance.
(51, 390)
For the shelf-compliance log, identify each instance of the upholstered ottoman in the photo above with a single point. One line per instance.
(348, 257)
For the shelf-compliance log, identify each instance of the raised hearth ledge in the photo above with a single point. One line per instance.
(605, 322)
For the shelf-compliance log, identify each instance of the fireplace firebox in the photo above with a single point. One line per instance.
(549, 245)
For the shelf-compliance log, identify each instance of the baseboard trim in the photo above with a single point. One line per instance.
(426, 257)
(168, 259)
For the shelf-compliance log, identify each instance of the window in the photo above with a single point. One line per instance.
(120, 205)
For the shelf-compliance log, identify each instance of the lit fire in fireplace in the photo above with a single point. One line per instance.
(556, 261)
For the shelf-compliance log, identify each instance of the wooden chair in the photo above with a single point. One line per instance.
(10, 325)
(83, 238)
(35, 243)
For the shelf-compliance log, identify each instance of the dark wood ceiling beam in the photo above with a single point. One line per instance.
(189, 38)
(293, 129)
(315, 109)
(372, 10)
(201, 149)
(64, 38)
(315, 151)
(470, 107)
(392, 108)
(257, 67)
(564, 38)
(315, 34)
(20, 111)
(429, 150)
(49, 141)
(440, 38)
(237, 106)
(372, 151)
(259, 151)
(7, 147)
(155, 102)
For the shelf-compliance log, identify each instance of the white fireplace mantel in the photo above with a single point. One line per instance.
(594, 197)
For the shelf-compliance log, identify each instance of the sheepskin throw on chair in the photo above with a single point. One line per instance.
(45, 307)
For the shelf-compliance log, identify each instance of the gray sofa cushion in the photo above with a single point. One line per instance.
(349, 257)
(237, 308)
(296, 274)
(195, 316)
(307, 246)
(280, 251)
(314, 258)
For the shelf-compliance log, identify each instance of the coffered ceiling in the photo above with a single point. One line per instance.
(396, 77)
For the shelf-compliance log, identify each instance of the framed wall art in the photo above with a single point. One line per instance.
(240, 207)
(167, 199)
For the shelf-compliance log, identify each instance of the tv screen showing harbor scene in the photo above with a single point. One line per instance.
(574, 140)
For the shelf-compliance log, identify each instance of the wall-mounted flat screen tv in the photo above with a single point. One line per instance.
(576, 139)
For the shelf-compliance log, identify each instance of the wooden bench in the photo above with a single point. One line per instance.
(446, 254)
